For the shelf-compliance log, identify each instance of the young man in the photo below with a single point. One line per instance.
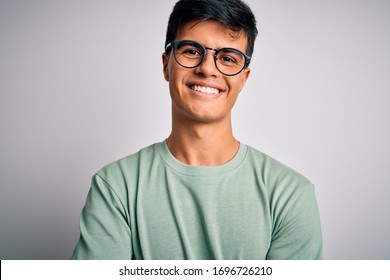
(201, 194)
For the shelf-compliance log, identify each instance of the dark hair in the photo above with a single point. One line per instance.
(234, 14)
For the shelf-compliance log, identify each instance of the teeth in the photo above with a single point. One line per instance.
(207, 90)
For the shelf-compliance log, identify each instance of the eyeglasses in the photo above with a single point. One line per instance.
(191, 54)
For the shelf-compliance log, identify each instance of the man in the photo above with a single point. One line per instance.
(201, 194)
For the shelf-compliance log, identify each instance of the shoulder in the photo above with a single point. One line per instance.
(274, 169)
(127, 168)
(276, 176)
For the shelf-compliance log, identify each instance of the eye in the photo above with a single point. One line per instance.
(227, 59)
(189, 49)
(191, 52)
(230, 58)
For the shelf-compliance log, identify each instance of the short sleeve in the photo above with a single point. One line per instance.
(104, 225)
(297, 234)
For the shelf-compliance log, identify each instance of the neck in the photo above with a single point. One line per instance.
(202, 144)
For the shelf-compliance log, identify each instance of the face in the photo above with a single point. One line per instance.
(203, 94)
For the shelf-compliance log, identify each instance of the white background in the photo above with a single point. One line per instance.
(81, 85)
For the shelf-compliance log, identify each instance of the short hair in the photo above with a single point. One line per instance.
(234, 14)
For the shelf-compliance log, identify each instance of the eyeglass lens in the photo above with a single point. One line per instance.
(191, 54)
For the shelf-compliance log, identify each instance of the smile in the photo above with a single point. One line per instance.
(206, 90)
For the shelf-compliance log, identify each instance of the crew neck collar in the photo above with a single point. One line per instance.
(201, 171)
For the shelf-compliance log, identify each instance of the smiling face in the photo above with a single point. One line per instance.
(203, 94)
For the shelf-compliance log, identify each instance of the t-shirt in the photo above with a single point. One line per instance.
(151, 206)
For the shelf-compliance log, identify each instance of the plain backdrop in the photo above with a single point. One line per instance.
(81, 85)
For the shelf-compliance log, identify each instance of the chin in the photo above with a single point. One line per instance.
(207, 118)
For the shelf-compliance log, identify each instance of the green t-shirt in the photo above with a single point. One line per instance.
(151, 206)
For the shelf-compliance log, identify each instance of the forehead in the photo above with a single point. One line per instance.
(212, 33)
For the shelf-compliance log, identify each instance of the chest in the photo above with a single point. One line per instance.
(225, 217)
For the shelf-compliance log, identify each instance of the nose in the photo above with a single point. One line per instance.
(207, 67)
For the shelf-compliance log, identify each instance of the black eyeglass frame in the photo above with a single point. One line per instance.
(217, 51)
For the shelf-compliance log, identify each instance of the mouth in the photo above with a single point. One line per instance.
(205, 89)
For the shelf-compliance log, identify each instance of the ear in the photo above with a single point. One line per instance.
(245, 76)
(165, 59)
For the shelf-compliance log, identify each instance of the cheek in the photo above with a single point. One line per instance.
(239, 82)
(176, 77)
(175, 84)
(235, 85)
